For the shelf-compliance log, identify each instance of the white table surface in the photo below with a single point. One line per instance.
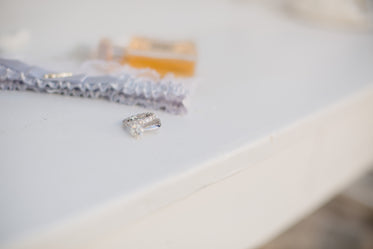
(259, 72)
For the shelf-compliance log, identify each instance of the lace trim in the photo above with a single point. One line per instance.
(123, 86)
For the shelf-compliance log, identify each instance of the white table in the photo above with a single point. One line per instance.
(281, 120)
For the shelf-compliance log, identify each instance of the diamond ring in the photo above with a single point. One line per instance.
(141, 122)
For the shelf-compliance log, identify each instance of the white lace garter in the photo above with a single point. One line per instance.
(124, 85)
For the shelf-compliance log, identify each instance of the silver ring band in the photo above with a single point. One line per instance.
(137, 124)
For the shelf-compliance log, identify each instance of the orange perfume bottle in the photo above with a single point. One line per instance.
(177, 57)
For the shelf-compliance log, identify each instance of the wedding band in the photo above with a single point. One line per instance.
(137, 124)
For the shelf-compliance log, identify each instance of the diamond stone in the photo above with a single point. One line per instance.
(136, 130)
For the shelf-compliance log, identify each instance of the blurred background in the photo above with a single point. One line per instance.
(346, 221)
(77, 27)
